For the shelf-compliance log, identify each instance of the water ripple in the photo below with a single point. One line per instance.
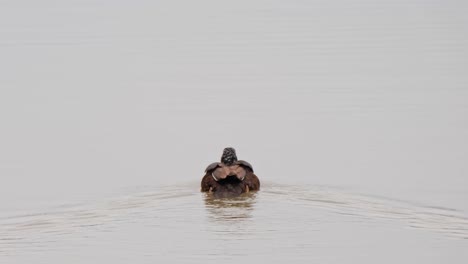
(434, 218)
(229, 220)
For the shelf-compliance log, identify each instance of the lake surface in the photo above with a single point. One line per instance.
(354, 115)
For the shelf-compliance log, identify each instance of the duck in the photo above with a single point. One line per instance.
(229, 177)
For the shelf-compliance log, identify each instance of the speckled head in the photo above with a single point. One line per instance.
(229, 156)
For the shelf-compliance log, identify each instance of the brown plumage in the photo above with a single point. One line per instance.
(230, 179)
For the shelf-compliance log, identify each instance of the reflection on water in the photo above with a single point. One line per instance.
(230, 219)
(227, 210)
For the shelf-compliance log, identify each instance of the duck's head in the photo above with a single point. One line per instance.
(229, 156)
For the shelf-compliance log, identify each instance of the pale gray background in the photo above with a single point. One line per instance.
(102, 97)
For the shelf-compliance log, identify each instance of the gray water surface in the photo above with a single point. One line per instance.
(354, 115)
(280, 223)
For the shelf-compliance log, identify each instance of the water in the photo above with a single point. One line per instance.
(353, 114)
(281, 223)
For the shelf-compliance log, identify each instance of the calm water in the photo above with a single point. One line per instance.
(354, 115)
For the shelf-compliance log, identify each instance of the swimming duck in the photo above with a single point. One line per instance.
(230, 177)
